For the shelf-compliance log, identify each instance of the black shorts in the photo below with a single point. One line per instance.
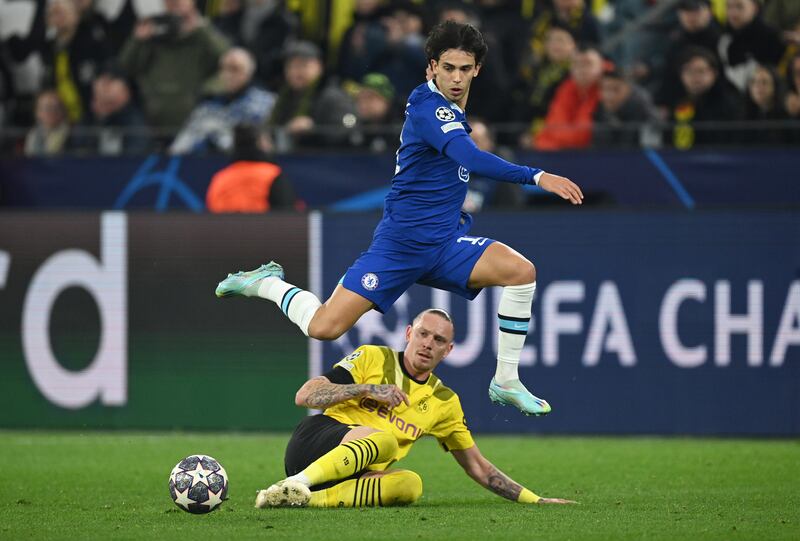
(313, 437)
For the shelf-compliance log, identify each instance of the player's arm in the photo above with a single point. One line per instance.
(463, 150)
(488, 476)
(321, 393)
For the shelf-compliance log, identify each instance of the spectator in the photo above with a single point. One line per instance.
(307, 101)
(210, 126)
(51, 133)
(362, 41)
(573, 14)
(792, 101)
(171, 57)
(502, 25)
(538, 83)
(376, 114)
(251, 183)
(264, 27)
(119, 126)
(698, 28)
(73, 57)
(747, 41)
(569, 118)
(623, 113)
(765, 102)
(782, 14)
(705, 98)
(114, 31)
(402, 58)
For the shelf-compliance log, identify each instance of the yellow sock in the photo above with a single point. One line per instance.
(350, 457)
(401, 487)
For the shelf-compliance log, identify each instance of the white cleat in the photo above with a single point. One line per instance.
(286, 493)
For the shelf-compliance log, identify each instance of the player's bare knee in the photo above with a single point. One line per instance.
(324, 329)
(524, 273)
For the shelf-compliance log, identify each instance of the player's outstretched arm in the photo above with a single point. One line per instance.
(321, 393)
(562, 187)
(489, 477)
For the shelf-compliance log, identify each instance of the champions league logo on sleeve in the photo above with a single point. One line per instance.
(445, 114)
(369, 281)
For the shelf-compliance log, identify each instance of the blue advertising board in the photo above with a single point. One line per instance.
(643, 323)
(359, 181)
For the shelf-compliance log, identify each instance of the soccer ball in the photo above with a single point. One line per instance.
(198, 484)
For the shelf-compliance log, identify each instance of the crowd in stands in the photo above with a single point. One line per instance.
(560, 74)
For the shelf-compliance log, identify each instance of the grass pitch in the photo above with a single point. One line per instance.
(114, 485)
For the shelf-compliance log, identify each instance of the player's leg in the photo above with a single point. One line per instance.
(325, 321)
(323, 450)
(359, 449)
(373, 489)
(502, 266)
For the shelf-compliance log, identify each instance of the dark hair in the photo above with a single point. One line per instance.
(453, 35)
(246, 143)
(693, 51)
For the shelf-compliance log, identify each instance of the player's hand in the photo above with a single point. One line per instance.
(388, 393)
(562, 187)
(557, 501)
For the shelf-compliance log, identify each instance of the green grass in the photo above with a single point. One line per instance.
(114, 485)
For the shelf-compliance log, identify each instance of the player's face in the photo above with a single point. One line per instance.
(429, 339)
(453, 74)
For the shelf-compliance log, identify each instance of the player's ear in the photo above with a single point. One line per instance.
(408, 333)
(477, 69)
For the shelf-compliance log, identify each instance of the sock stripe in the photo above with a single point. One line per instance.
(372, 450)
(363, 493)
(356, 456)
(355, 491)
(365, 452)
(380, 500)
(513, 318)
(513, 325)
(373, 446)
(287, 299)
(374, 484)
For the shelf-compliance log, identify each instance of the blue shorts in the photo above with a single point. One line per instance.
(387, 269)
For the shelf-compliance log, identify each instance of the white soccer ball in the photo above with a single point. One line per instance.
(198, 484)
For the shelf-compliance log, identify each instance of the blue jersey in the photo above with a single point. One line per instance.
(428, 188)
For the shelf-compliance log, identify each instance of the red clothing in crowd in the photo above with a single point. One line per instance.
(569, 118)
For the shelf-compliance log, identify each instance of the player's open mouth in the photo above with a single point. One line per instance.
(455, 91)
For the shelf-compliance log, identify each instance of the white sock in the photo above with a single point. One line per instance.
(514, 315)
(298, 304)
(300, 478)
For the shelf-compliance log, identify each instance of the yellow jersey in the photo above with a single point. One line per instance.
(434, 408)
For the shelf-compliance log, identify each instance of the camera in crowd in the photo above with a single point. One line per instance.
(165, 26)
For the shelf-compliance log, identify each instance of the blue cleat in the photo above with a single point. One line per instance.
(237, 283)
(514, 393)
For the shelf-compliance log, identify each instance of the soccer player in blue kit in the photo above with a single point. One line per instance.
(423, 235)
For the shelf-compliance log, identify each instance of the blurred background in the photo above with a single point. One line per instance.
(149, 147)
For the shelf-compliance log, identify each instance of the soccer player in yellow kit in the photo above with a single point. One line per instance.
(377, 402)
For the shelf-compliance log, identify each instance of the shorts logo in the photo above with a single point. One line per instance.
(445, 114)
(463, 173)
(369, 281)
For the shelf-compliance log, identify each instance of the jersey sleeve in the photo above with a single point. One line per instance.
(435, 122)
(451, 430)
(358, 364)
